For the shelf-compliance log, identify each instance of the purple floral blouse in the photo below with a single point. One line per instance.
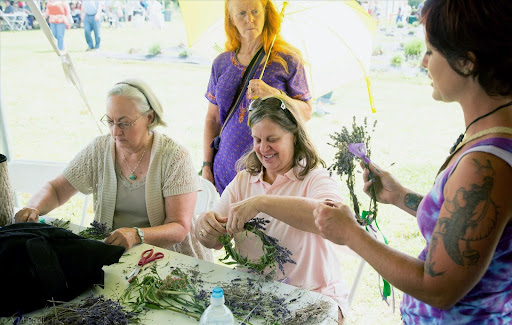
(225, 77)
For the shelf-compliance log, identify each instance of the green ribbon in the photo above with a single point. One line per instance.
(386, 289)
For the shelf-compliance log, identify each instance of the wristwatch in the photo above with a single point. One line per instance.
(207, 163)
(141, 234)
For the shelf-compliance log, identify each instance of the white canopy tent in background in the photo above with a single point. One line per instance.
(69, 71)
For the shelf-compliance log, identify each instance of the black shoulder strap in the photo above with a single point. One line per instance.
(242, 88)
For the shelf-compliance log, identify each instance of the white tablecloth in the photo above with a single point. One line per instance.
(212, 274)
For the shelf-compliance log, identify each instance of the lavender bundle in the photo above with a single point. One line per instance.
(88, 311)
(97, 231)
(246, 296)
(175, 292)
(273, 253)
(182, 291)
(246, 299)
(351, 145)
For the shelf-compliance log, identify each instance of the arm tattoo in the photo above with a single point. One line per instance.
(412, 201)
(429, 264)
(473, 218)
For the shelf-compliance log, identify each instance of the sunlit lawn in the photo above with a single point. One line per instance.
(47, 120)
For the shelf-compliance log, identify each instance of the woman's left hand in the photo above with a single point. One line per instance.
(259, 89)
(126, 237)
(335, 221)
(241, 212)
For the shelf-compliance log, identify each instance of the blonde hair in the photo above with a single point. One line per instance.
(271, 27)
(304, 155)
(144, 98)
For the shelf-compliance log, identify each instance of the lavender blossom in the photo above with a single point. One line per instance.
(359, 150)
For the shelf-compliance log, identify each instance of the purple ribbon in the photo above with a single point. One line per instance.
(359, 150)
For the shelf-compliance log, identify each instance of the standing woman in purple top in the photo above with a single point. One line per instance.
(249, 24)
(464, 273)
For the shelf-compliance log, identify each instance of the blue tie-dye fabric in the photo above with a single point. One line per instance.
(490, 301)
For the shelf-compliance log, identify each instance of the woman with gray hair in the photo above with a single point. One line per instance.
(143, 183)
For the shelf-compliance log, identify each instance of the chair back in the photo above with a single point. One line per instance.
(29, 176)
(206, 198)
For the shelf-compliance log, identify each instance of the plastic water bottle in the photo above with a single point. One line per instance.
(217, 313)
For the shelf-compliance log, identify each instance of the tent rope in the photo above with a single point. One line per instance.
(67, 64)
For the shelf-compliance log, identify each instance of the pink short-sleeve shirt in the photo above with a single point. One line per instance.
(318, 268)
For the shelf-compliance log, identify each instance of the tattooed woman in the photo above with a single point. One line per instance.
(464, 274)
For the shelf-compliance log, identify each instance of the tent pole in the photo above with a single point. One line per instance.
(4, 137)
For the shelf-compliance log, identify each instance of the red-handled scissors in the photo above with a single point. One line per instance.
(147, 257)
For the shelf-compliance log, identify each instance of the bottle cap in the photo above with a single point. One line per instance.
(217, 292)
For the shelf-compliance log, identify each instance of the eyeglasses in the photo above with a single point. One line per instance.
(272, 102)
(122, 125)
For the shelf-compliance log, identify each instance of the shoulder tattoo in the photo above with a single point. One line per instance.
(473, 217)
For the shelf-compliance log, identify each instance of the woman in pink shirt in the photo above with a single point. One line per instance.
(58, 13)
(280, 182)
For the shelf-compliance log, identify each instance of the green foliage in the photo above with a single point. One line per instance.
(155, 49)
(397, 60)
(175, 292)
(185, 53)
(414, 3)
(377, 50)
(416, 24)
(414, 48)
(400, 25)
(170, 3)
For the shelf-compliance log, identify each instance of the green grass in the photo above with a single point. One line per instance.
(47, 120)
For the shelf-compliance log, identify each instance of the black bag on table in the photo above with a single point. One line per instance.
(40, 262)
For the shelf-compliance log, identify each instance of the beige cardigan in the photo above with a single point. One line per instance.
(170, 173)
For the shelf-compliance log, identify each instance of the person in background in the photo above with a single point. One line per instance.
(58, 13)
(399, 16)
(464, 273)
(92, 16)
(143, 182)
(279, 181)
(76, 14)
(115, 13)
(9, 9)
(155, 16)
(30, 16)
(249, 25)
(420, 7)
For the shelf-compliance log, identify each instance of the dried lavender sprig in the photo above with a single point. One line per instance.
(90, 310)
(98, 231)
(61, 223)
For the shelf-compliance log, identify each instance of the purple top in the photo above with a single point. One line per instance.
(226, 75)
(490, 301)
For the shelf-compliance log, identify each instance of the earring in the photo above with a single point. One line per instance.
(467, 71)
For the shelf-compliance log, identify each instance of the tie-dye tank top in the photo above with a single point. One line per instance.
(490, 301)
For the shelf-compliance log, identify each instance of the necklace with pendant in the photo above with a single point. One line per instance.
(132, 175)
(461, 137)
